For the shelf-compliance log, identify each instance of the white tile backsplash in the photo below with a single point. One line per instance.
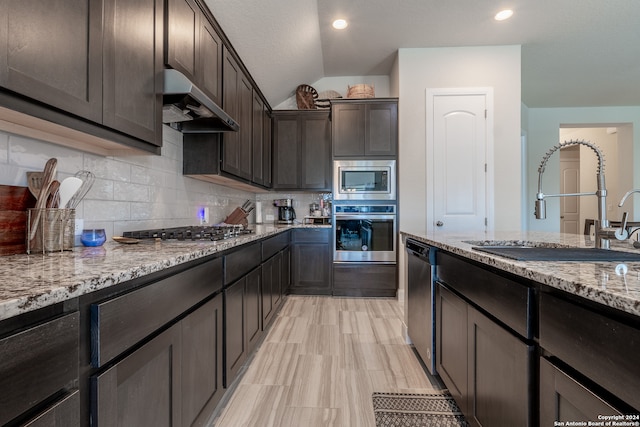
(4, 147)
(139, 191)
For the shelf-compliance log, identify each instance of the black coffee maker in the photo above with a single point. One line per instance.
(286, 213)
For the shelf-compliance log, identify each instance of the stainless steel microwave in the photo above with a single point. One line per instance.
(364, 180)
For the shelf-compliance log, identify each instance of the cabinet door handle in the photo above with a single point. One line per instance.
(439, 224)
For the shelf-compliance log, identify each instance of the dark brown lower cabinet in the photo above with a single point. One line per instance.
(275, 274)
(144, 388)
(243, 321)
(599, 345)
(311, 261)
(499, 374)
(174, 379)
(452, 344)
(253, 314)
(562, 398)
(35, 365)
(235, 348)
(270, 288)
(285, 276)
(486, 368)
(202, 362)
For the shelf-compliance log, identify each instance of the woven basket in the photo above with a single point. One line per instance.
(306, 97)
(361, 91)
(324, 99)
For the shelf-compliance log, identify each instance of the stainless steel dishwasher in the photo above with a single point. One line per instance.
(421, 300)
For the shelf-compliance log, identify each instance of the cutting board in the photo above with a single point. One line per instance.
(14, 202)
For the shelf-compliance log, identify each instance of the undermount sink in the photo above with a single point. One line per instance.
(542, 251)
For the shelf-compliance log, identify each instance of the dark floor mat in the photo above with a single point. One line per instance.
(436, 409)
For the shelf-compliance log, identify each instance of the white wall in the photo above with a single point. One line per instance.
(492, 66)
(414, 72)
(543, 127)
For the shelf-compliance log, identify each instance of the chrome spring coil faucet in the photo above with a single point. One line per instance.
(603, 231)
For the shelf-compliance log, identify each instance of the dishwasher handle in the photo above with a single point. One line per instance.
(419, 250)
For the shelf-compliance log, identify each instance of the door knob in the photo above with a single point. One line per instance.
(439, 224)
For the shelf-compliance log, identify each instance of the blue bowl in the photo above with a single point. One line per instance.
(93, 237)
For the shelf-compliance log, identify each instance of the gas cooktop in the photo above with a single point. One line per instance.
(195, 232)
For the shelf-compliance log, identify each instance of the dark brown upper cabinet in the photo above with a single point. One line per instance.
(193, 47)
(267, 152)
(301, 150)
(93, 67)
(133, 68)
(44, 57)
(364, 128)
(238, 103)
(258, 152)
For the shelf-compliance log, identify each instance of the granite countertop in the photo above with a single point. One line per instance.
(29, 282)
(615, 284)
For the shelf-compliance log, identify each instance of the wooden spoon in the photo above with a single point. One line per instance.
(47, 178)
(53, 200)
(34, 182)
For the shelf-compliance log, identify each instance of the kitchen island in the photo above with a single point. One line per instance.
(533, 343)
(172, 322)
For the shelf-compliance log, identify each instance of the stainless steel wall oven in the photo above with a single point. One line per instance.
(364, 233)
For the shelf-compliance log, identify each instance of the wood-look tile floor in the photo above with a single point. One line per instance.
(321, 361)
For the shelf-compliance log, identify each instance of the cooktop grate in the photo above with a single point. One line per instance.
(212, 232)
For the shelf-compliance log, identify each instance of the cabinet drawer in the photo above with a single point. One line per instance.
(311, 235)
(240, 262)
(62, 414)
(603, 349)
(273, 245)
(507, 300)
(37, 363)
(364, 280)
(121, 322)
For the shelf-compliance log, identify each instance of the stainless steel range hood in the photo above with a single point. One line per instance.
(187, 109)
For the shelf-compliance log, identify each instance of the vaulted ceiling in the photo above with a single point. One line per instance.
(575, 53)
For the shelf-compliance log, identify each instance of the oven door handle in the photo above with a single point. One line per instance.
(369, 217)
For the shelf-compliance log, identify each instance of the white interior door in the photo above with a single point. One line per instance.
(459, 162)
(570, 206)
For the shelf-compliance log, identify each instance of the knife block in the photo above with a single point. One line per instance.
(238, 216)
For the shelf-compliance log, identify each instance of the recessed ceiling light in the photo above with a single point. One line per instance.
(340, 24)
(503, 14)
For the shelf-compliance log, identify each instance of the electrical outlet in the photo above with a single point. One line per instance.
(79, 225)
(203, 215)
(77, 232)
(269, 217)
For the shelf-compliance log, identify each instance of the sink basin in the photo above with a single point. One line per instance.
(558, 253)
